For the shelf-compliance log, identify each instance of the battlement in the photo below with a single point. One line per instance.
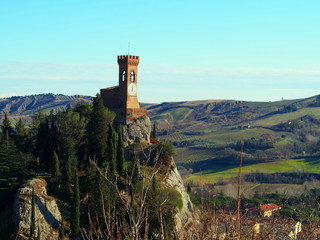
(128, 59)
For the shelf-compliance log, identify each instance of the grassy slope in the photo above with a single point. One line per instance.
(278, 118)
(230, 134)
(222, 134)
(213, 176)
(176, 114)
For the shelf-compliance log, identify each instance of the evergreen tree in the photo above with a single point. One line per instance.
(120, 153)
(44, 147)
(69, 170)
(33, 214)
(189, 188)
(21, 136)
(56, 173)
(6, 127)
(103, 194)
(61, 231)
(134, 172)
(12, 169)
(112, 149)
(97, 130)
(69, 131)
(33, 133)
(75, 212)
(38, 235)
(154, 131)
(154, 183)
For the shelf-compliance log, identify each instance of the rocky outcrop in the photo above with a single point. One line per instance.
(47, 215)
(186, 214)
(137, 131)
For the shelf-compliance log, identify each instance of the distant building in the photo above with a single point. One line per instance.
(268, 209)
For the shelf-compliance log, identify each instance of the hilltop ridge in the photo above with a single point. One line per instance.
(26, 106)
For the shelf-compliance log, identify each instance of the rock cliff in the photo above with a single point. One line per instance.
(186, 214)
(138, 131)
(47, 215)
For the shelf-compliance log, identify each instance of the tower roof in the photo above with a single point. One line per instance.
(128, 59)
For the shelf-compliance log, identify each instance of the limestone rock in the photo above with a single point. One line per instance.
(47, 215)
(137, 131)
(186, 214)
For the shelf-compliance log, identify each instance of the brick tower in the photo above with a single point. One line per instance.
(123, 99)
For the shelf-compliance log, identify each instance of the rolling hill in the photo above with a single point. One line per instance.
(206, 133)
(26, 107)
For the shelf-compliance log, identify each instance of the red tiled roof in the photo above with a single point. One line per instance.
(153, 140)
(269, 207)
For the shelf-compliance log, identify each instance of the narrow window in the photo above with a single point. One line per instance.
(132, 76)
(123, 76)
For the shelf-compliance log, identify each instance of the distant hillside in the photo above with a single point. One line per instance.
(170, 116)
(205, 133)
(25, 107)
(190, 115)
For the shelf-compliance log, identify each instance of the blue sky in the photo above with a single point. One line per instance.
(262, 50)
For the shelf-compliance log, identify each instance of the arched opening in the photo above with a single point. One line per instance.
(123, 76)
(132, 77)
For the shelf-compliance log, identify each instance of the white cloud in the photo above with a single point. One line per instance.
(55, 78)
(10, 94)
(161, 83)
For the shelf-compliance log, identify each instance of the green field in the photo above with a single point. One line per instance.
(230, 134)
(290, 165)
(186, 155)
(219, 135)
(175, 114)
(278, 118)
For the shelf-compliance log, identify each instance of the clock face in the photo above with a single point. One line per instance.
(132, 89)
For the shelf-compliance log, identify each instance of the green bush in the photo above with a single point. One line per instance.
(166, 149)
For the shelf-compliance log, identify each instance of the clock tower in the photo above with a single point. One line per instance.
(123, 99)
(128, 80)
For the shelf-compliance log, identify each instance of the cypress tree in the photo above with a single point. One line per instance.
(97, 131)
(38, 235)
(56, 173)
(134, 171)
(61, 231)
(188, 188)
(75, 213)
(120, 153)
(69, 132)
(103, 194)
(154, 183)
(44, 146)
(154, 131)
(112, 149)
(33, 214)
